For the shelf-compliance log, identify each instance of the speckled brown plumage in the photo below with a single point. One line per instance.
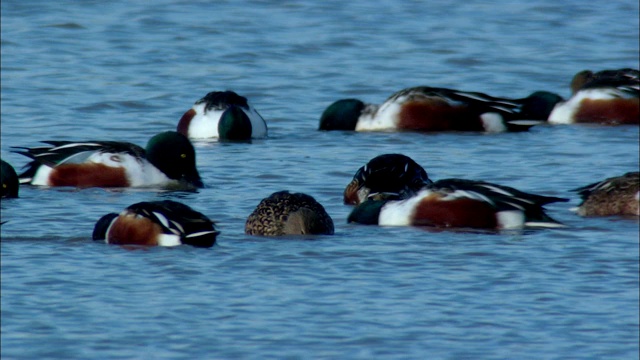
(613, 196)
(284, 213)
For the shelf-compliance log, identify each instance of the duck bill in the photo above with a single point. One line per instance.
(193, 179)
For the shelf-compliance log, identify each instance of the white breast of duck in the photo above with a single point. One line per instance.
(204, 123)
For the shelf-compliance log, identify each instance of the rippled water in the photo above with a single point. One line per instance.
(129, 69)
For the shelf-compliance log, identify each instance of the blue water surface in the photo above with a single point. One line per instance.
(126, 70)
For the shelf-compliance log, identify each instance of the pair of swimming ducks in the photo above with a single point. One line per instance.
(390, 190)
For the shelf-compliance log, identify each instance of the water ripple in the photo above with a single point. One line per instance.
(77, 71)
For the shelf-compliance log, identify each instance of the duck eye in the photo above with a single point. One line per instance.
(115, 158)
(184, 156)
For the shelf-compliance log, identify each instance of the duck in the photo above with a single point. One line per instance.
(286, 213)
(618, 195)
(169, 161)
(395, 174)
(609, 97)
(10, 182)
(429, 109)
(157, 223)
(224, 115)
(409, 198)
(584, 78)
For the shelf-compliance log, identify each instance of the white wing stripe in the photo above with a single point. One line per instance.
(67, 146)
(201, 233)
(468, 194)
(178, 226)
(162, 219)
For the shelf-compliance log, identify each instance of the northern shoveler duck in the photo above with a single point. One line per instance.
(386, 174)
(438, 109)
(285, 213)
(607, 97)
(168, 161)
(618, 195)
(156, 223)
(409, 197)
(584, 78)
(224, 115)
(10, 183)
